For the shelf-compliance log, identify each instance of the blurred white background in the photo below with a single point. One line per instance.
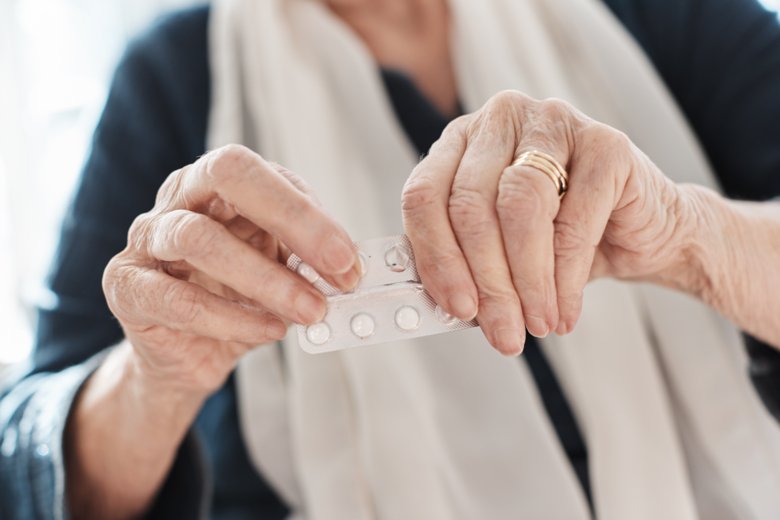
(56, 59)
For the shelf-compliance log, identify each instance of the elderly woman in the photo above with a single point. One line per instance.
(596, 143)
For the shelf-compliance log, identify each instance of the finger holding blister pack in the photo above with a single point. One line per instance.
(388, 304)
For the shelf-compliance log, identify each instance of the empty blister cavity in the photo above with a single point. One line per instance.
(398, 257)
(407, 318)
(363, 259)
(308, 272)
(443, 316)
(318, 334)
(374, 256)
(362, 325)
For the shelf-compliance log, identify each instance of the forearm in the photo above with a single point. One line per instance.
(738, 258)
(122, 437)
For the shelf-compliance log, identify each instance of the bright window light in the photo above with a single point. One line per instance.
(56, 60)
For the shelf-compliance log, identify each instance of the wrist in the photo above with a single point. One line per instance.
(702, 219)
(121, 438)
(164, 410)
(156, 393)
(733, 248)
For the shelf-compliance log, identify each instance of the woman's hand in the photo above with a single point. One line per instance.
(493, 239)
(201, 282)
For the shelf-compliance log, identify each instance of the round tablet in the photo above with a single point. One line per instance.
(362, 325)
(397, 258)
(308, 272)
(318, 334)
(443, 316)
(407, 318)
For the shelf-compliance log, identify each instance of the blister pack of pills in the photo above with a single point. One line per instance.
(388, 304)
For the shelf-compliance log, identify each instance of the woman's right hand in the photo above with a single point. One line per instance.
(201, 280)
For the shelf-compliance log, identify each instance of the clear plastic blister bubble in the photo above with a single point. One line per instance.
(388, 304)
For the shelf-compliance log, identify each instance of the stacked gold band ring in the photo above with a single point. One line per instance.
(546, 164)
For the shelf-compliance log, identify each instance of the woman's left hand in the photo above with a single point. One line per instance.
(493, 239)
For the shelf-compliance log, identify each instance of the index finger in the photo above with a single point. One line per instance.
(440, 262)
(259, 193)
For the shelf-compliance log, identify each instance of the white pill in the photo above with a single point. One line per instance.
(308, 272)
(407, 318)
(397, 258)
(443, 316)
(318, 334)
(362, 325)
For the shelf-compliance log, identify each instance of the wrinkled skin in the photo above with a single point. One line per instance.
(494, 240)
(200, 281)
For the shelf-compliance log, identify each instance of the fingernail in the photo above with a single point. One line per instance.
(339, 255)
(463, 306)
(276, 329)
(537, 326)
(562, 329)
(310, 308)
(509, 341)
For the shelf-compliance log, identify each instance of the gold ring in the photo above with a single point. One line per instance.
(546, 164)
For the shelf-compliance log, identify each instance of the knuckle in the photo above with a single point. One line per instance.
(518, 200)
(553, 125)
(524, 197)
(560, 109)
(190, 234)
(537, 294)
(138, 234)
(299, 206)
(500, 298)
(570, 298)
(452, 134)
(418, 193)
(226, 162)
(615, 152)
(118, 284)
(296, 180)
(510, 98)
(607, 138)
(550, 126)
(569, 304)
(294, 203)
(618, 141)
(534, 297)
(273, 287)
(110, 282)
(468, 209)
(456, 126)
(555, 108)
(184, 306)
(568, 240)
(171, 187)
(233, 154)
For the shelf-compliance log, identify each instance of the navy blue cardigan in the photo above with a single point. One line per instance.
(720, 59)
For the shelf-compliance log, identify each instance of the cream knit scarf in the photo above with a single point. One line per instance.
(443, 427)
